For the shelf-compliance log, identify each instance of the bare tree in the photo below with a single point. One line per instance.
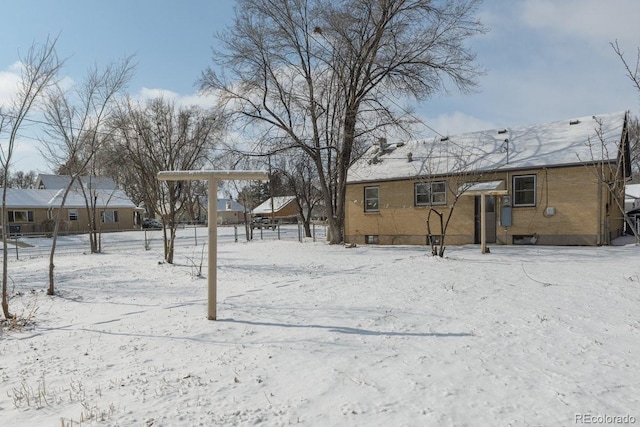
(634, 143)
(316, 74)
(39, 70)
(158, 136)
(76, 132)
(612, 171)
(22, 179)
(633, 73)
(19, 179)
(450, 170)
(300, 180)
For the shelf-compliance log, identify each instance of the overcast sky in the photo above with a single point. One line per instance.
(545, 60)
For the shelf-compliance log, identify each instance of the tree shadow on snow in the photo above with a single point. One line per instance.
(350, 330)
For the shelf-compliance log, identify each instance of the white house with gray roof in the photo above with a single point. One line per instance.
(30, 211)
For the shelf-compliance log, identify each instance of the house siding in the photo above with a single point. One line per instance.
(583, 213)
(126, 220)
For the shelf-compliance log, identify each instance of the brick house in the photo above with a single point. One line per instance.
(559, 183)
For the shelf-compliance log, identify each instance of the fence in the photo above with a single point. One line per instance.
(30, 246)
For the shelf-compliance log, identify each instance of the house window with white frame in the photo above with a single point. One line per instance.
(371, 199)
(524, 190)
(73, 214)
(430, 193)
(20, 216)
(109, 216)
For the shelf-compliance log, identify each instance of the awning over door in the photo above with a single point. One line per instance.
(483, 189)
(488, 188)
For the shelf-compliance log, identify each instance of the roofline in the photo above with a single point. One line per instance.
(483, 171)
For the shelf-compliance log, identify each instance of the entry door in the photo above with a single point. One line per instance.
(490, 218)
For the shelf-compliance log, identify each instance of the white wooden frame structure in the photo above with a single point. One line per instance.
(212, 177)
(484, 189)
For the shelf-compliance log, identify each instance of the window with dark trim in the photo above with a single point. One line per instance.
(524, 190)
(430, 193)
(20, 216)
(371, 199)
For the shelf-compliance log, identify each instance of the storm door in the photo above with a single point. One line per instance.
(490, 225)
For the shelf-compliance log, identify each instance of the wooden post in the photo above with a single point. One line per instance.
(212, 177)
(212, 276)
(483, 223)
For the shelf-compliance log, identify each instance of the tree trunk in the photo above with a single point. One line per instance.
(307, 227)
(51, 290)
(5, 258)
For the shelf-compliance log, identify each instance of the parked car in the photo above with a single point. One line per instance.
(152, 223)
(263, 223)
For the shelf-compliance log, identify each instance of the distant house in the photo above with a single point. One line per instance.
(544, 184)
(31, 210)
(632, 197)
(632, 205)
(283, 208)
(56, 182)
(230, 212)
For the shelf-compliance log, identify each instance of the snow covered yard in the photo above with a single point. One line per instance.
(314, 334)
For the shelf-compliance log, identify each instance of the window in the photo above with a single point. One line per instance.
(371, 239)
(524, 190)
(20, 216)
(109, 216)
(73, 214)
(371, 199)
(430, 193)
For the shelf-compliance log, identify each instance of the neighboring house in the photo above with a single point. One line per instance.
(632, 205)
(632, 197)
(283, 208)
(230, 212)
(29, 210)
(541, 183)
(56, 182)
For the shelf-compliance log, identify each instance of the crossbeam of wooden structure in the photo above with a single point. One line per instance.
(213, 177)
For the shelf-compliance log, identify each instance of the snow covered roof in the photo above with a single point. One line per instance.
(558, 143)
(56, 182)
(632, 191)
(223, 205)
(278, 204)
(35, 198)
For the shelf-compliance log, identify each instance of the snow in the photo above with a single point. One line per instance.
(323, 335)
(41, 198)
(520, 147)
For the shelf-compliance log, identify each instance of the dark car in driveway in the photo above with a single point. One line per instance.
(263, 223)
(151, 223)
